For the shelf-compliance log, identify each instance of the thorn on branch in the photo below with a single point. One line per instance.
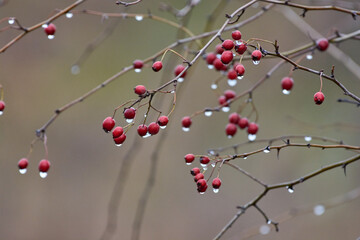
(332, 71)
(278, 153)
(303, 13)
(344, 167)
(354, 15)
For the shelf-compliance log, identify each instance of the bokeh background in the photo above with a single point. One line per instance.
(72, 202)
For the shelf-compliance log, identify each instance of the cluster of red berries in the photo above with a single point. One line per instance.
(2, 107)
(235, 120)
(201, 183)
(224, 54)
(44, 166)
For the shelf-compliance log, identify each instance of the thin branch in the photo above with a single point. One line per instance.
(126, 4)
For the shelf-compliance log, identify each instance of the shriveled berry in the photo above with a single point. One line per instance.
(230, 129)
(138, 64)
(178, 70)
(157, 66)
(163, 120)
(241, 48)
(117, 132)
(252, 128)
(243, 123)
(129, 113)
(226, 57)
(256, 55)
(204, 159)
(234, 118)
(142, 130)
(219, 49)
(2, 106)
(218, 64)
(153, 128)
(140, 89)
(50, 29)
(23, 163)
(44, 165)
(189, 158)
(240, 70)
(228, 44)
(287, 83)
(108, 124)
(319, 97)
(120, 140)
(195, 171)
(210, 58)
(236, 35)
(322, 44)
(229, 94)
(216, 183)
(186, 122)
(198, 177)
(232, 74)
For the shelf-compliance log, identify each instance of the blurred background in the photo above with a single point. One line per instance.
(72, 202)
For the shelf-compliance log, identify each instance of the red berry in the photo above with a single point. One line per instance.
(23, 163)
(236, 35)
(216, 183)
(50, 29)
(241, 48)
(129, 113)
(243, 123)
(228, 44)
(120, 140)
(287, 83)
(202, 189)
(229, 94)
(218, 64)
(44, 165)
(222, 100)
(108, 124)
(256, 55)
(322, 44)
(319, 97)
(252, 128)
(189, 158)
(195, 171)
(232, 74)
(219, 49)
(204, 159)
(210, 58)
(198, 177)
(230, 129)
(201, 183)
(157, 66)
(153, 128)
(138, 64)
(117, 132)
(186, 122)
(2, 106)
(240, 70)
(226, 57)
(142, 130)
(178, 70)
(163, 120)
(140, 89)
(234, 118)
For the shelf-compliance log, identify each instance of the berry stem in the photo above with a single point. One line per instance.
(1, 93)
(178, 54)
(122, 105)
(321, 81)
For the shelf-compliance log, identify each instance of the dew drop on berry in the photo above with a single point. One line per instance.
(214, 86)
(137, 70)
(129, 120)
(309, 56)
(240, 77)
(308, 138)
(208, 113)
(188, 163)
(252, 137)
(139, 18)
(185, 129)
(43, 174)
(118, 145)
(286, 92)
(225, 109)
(75, 69)
(290, 189)
(146, 135)
(215, 190)
(256, 62)
(264, 229)
(1, 113)
(210, 66)
(11, 21)
(229, 136)
(51, 37)
(44, 25)
(180, 79)
(319, 210)
(201, 193)
(232, 82)
(69, 15)
(204, 166)
(22, 171)
(162, 127)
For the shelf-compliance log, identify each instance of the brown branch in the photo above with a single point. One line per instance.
(126, 4)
